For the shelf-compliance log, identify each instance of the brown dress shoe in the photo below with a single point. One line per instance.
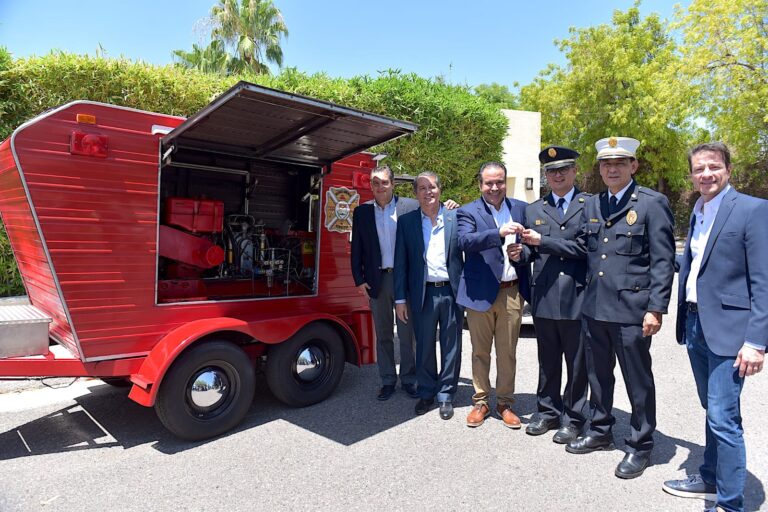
(508, 416)
(477, 415)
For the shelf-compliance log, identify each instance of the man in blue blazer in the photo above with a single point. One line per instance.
(374, 227)
(493, 288)
(722, 318)
(428, 266)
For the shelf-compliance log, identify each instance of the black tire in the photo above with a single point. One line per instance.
(176, 406)
(117, 382)
(320, 378)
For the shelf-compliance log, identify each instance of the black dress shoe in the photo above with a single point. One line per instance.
(589, 444)
(566, 434)
(424, 405)
(633, 465)
(446, 410)
(541, 426)
(410, 390)
(386, 392)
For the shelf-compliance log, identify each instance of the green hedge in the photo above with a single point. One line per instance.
(457, 129)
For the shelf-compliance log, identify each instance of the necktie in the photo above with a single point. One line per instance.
(613, 205)
(560, 207)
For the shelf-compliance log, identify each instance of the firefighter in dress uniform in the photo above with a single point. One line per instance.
(557, 291)
(628, 240)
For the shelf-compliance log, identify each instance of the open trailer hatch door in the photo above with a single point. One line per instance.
(258, 122)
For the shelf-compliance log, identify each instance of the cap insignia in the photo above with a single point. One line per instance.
(552, 152)
(613, 142)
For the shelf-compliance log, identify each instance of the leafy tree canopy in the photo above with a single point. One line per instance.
(620, 79)
(725, 52)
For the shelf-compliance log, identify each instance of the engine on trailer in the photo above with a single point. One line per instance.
(206, 255)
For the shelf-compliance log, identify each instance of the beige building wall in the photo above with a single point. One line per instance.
(521, 154)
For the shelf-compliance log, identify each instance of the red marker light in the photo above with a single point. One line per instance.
(88, 144)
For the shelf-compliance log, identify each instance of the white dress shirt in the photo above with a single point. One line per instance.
(386, 229)
(705, 214)
(500, 217)
(567, 198)
(620, 193)
(434, 245)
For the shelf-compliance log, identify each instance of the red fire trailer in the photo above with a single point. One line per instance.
(181, 255)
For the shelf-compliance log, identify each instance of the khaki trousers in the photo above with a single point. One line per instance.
(501, 323)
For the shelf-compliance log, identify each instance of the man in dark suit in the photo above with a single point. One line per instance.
(557, 290)
(374, 227)
(627, 235)
(492, 290)
(428, 266)
(722, 317)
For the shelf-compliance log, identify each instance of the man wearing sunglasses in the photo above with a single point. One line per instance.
(557, 286)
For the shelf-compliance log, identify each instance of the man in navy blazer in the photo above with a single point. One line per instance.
(428, 266)
(374, 228)
(492, 289)
(722, 318)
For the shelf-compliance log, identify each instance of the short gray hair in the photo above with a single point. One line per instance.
(427, 174)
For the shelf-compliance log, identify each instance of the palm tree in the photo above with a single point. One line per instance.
(252, 29)
(211, 59)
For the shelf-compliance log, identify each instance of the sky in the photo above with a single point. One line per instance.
(465, 42)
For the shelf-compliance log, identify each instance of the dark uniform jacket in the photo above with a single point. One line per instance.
(630, 256)
(559, 266)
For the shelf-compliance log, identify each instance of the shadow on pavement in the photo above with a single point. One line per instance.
(105, 418)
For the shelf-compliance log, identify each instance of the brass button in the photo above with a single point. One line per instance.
(608, 223)
(637, 288)
(601, 274)
(605, 239)
(562, 273)
(603, 256)
(562, 228)
(562, 259)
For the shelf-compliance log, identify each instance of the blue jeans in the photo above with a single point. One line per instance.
(719, 387)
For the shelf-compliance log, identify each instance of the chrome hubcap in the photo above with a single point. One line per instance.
(310, 363)
(209, 388)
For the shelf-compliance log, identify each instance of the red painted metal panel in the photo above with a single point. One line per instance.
(27, 247)
(99, 216)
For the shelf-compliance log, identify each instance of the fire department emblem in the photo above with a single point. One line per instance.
(631, 217)
(613, 142)
(340, 202)
(552, 152)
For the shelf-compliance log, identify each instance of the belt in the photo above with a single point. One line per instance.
(508, 284)
(387, 270)
(438, 284)
(692, 307)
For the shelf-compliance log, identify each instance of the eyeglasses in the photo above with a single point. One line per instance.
(562, 171)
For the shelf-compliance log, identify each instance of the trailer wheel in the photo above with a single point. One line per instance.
(207, 391)
(306, 368)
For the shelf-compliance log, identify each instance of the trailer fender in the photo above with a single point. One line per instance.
(147, 380)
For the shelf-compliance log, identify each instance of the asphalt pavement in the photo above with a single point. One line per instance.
(70, 445)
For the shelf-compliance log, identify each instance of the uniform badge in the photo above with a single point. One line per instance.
(552, 152)
(593, 220)
(539, 222)
(631, 217)
(613, 142)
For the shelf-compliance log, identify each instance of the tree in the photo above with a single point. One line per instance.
(725, 51)
(211, 59)
(619, 80)
(251, 30)
(497, 94)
